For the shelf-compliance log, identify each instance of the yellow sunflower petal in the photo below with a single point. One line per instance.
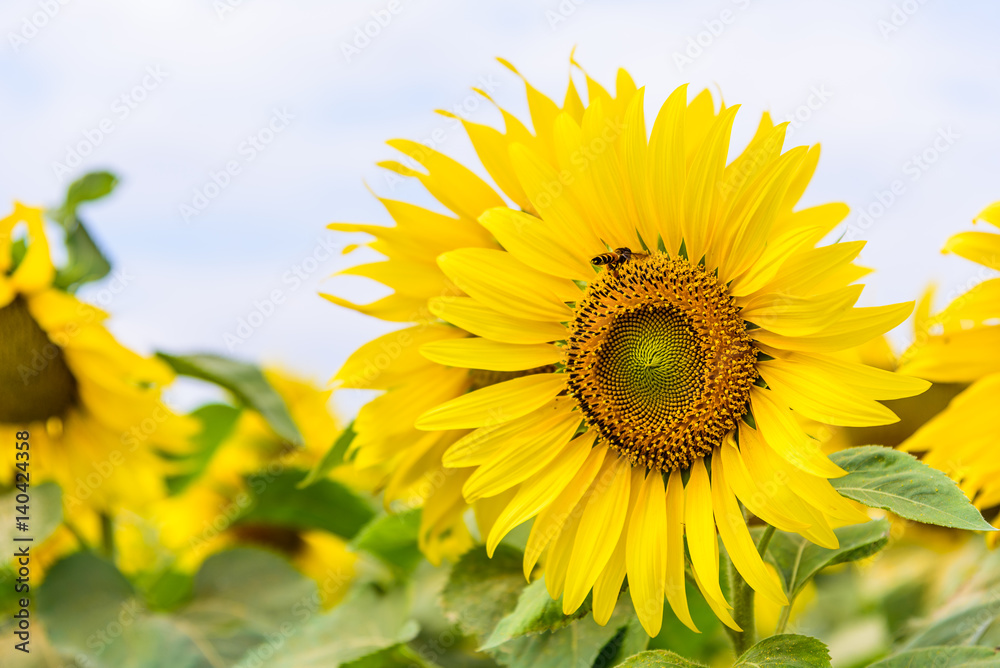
(761, 501)
(789, 315)
(754, 213)
(856, 326)
(646, 552)
(666, 168)
(536, 244)
(608, 585)
(35, 272)
(490, 442)
(736, 537)
(831, 404)
(451, 183)
(600, 527)
(699, 525)
(494, 404)
(517, 465)
(781, 432)
(476, 353)
(541, 489)
(491, 148)
(980, 247)
(702, 199)
(391, 359)
(522, 291)
(957, 357)
(551, 521)
(481, 320)
(866, 381)
(990, 214)
(774, 482)
(674, 583)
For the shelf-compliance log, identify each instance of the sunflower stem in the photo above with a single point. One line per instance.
(743, 601)
(786, 612)
(107, 536)
(84, 545)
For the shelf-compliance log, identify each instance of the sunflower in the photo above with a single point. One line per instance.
(204, 518)
(961, 344)
(634, 405)
(92, 408)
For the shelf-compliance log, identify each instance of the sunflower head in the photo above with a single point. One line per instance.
(660, 361)
(92, 407)
(656, 322)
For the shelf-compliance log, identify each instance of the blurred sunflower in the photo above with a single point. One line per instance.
(92, 407)
(961, 344)
(612, 393)
(205, 517)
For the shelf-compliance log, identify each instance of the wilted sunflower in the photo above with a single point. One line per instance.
(961, 344)
(635, 404)
(91, 406)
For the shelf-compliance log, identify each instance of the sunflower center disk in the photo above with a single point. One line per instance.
(660, 361)
(35, 383)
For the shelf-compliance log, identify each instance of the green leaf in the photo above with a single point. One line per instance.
(359, 630)
(327, 505)
(798, 560)
(333, 458)
(536, 611)
(884, 478)
(45, 511)
(165, 590)
(659, 658)
(481, 591)
(85, 261)
(246, 382)
(81, 595)
(217, 423)
(397, 656)
(786, 651)
(87, 188)
(974, 625)
(582, 643)
(393, 539)
(91, 613)
(631, 640)
(942, 657)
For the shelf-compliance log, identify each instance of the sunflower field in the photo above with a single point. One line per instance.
(604, 363)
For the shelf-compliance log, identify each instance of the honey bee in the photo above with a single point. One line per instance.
(615, 258)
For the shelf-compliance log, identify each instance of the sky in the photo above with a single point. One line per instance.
(240, 128)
